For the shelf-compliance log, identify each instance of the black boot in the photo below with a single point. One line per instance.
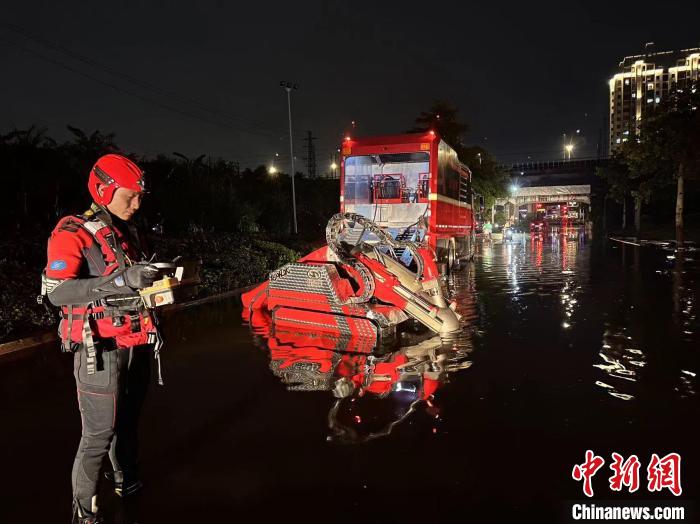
(83, 516)
(124, 484)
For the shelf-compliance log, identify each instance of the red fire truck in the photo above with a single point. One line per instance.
(414, 186)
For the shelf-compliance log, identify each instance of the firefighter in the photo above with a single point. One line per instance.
(96, 265)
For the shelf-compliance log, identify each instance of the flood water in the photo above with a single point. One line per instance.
(568, 346)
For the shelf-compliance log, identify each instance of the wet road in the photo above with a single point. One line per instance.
(568, 346)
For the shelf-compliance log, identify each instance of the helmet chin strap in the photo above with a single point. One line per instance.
(106, 214)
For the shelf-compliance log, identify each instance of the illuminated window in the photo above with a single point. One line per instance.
(658, 99)
(617, 140)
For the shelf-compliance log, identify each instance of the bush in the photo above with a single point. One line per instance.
(21, 264)
(229, 262)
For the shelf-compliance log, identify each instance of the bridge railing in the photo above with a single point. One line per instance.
(554, 164)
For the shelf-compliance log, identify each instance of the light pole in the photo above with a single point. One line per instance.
(288, 86)
(514, 194)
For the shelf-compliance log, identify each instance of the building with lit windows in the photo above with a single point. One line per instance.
(642, 82)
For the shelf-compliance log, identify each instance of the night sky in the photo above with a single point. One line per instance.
(203, 78)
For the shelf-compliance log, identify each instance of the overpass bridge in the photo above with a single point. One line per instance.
(540, 186)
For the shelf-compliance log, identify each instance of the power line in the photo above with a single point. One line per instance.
(275, 133)
(128, 92)
(252, 129)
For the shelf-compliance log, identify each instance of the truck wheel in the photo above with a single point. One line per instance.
(472, 246)
(452, 262)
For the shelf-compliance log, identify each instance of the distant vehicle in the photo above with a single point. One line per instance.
(537, 226)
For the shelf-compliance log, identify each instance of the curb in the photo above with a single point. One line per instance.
(21, 344)
(28, 342)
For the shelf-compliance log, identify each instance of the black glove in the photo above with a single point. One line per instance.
(140, 276)
(85, 290)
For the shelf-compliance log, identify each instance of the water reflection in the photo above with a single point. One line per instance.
(373, 391)
(686, 386)
(621, 363)
(684, 287)
(547, 309)
(651, 326)
(647, 323)
(683, 295)
(541, 264)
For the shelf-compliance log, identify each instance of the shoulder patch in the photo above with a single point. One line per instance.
(58, 265)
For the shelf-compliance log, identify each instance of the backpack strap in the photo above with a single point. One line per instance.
(96, 224)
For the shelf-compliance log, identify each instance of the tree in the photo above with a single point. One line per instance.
(488, 178)
(442, 118)
(617, 179)
(26, 154)
(32, 137)
(666, 152)
(669, 144)
(86, 149)
(643, 177)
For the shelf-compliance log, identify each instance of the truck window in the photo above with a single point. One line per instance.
(387, 178)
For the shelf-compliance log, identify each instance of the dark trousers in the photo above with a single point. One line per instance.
(110, 402)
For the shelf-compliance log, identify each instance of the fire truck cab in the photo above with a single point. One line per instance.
(415, 187)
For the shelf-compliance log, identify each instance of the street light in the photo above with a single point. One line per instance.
(288, 86)
(569, 149)
(272, 170)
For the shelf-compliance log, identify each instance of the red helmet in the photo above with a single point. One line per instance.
(111, 172)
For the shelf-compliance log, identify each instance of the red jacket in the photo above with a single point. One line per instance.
(87, 246)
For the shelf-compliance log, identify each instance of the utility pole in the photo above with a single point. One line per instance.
(288, 86)
(310, 154)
